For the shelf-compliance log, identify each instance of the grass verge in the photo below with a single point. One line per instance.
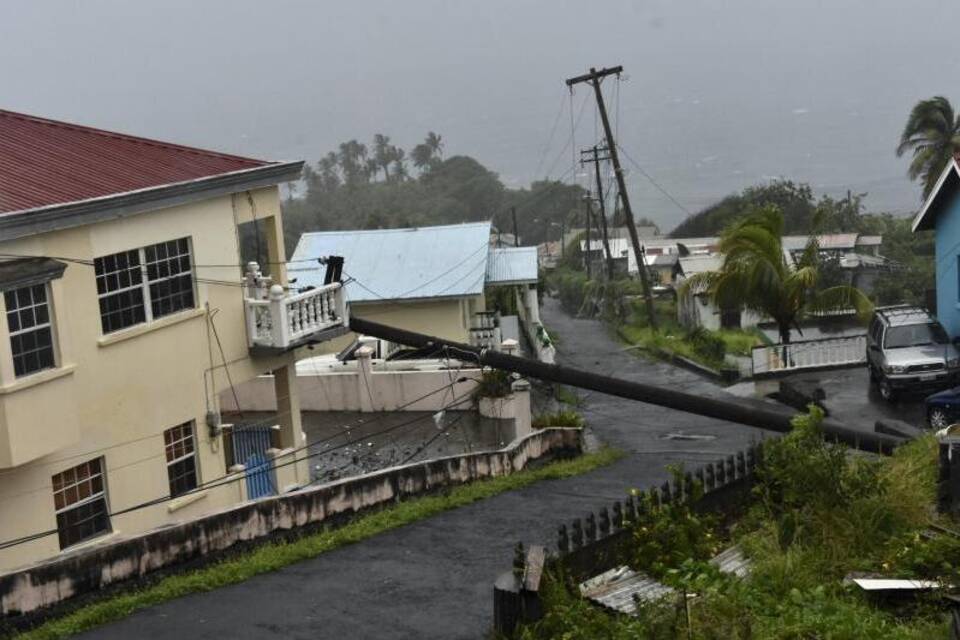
(271, 557)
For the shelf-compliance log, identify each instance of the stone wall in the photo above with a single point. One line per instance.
(54, 581)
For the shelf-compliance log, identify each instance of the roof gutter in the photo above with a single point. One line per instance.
(29, 222)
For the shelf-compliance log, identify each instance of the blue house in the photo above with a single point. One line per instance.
(941, 212)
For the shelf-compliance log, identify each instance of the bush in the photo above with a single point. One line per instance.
(707, 344)
(559, 419)
(494, 383)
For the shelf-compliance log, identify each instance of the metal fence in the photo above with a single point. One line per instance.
(809, 354)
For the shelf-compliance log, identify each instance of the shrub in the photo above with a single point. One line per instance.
(558, 419)
(707, 344)
(494, 383)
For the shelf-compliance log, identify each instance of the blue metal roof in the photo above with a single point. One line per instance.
(512, 265)
(399, 264)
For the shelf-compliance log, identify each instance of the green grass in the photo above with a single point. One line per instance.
(673, 339)
(739, 341)
(273, 556)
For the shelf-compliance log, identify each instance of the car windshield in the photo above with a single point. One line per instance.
(915, 335)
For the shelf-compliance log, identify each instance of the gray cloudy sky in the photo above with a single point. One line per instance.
(721, 93)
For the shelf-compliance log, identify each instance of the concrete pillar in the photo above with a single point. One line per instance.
(288, 417)
(532, 304)
(365, 386)
(521, 406)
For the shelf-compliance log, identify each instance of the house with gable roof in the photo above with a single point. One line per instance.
(127, 310)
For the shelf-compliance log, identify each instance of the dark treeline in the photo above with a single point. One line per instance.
(380, 185)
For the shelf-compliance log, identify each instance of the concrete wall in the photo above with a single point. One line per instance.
(115, 394)
(347, 390)
(449, 318)
(700, 311)
(74, 574)
(948, 255)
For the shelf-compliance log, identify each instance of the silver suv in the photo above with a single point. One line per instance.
(908, 350)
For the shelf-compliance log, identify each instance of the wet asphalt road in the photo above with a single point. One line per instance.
(434, 578)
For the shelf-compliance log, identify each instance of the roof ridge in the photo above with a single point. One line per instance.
(127, 137)
(396, 229)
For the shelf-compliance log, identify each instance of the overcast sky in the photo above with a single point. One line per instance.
(720, 94)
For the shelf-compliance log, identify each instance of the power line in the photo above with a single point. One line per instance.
(229, 479)
(553, 129)
(654, 182)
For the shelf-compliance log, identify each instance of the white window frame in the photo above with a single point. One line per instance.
(145, 282)
(192, 438)
(93, 497)
(37, 327)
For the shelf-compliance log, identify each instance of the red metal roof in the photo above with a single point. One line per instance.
(45, 162)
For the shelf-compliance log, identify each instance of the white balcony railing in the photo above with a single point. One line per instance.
(281, 320)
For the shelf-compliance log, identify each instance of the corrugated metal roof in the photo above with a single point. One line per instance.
(698, 264)
(826, 241)
(512, 265)
(46, 162)
(399, 264)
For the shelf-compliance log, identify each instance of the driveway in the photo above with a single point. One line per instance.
(852, 400)
(434, 578)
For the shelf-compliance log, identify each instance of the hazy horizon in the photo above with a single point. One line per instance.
(718, 97)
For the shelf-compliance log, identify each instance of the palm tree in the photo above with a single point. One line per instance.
(758, 275)
(933, 132)
(435, 142)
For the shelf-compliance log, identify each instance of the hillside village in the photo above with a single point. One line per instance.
(387, 392)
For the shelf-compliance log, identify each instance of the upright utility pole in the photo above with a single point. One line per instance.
(595, 159)
(516, 235)
(594, 78)
(586, 215)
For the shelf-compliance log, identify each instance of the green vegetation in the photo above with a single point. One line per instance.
(932, 132)
(758, 276)
(271, 557)
(494, 383)
(818, 513)
(565, 418)
(361, 186)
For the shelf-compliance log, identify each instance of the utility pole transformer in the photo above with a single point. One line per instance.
(594, 78)
(595, 159)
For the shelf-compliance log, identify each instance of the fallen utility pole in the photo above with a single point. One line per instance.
(754, 414)
(603, 210)
(594, 78)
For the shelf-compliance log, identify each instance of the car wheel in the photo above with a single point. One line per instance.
(938, 419)
(886, 391)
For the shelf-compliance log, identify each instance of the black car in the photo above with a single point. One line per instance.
(943, 408)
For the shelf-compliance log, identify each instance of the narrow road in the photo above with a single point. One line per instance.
(434, 578)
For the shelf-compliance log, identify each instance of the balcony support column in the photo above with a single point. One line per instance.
(288, 417)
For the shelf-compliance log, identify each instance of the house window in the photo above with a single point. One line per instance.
(80, 499)
(181, 459)
(31, 331)
(144, 284)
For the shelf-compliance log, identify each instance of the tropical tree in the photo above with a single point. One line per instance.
(757, 274)
(435, 142)
(933, 133)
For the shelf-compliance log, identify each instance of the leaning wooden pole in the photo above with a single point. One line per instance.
(754, 414)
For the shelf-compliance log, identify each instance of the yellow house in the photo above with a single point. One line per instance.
(126, 312)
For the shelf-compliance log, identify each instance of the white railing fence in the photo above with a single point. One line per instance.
(277, 319)
(809, 354)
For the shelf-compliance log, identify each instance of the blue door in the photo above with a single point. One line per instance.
(250, 444)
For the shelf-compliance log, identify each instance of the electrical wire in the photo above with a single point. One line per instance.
(226, 479)
(654, 182)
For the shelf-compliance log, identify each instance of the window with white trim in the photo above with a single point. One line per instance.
(181, 459)
(144, 284)
(30, 328)
(80, 500)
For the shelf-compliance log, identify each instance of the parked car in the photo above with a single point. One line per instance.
(908, 350)
(943, 408)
